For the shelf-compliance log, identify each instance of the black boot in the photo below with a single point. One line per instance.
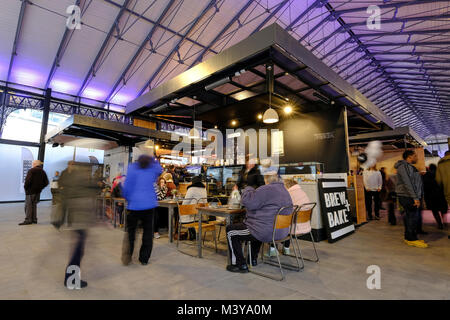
(240, 269)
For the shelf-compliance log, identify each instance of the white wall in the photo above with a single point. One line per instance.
(12, 168)
(117, 160)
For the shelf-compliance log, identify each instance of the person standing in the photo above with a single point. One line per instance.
(35, 181)
(383, 192)
(373, 182)
(434, 195)
(54, 188)
(409, 191)
(443, 176)
(139, 191)
(391, 198)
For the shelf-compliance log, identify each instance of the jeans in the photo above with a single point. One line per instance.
(410, 218)
(146, 217)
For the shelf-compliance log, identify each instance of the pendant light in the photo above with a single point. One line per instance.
(270, 116)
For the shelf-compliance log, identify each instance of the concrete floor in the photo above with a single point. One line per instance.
(33, 258)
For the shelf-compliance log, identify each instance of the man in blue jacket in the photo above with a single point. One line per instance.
(262, 206)
(139, 191)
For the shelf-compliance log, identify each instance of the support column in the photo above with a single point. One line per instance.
(44, 125)
(2, 111)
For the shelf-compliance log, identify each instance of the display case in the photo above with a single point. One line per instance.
(303, 171)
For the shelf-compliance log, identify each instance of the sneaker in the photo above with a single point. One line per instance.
(157, 235)
(286, 251)
(240, 269)
(417, 244)
(272, 252)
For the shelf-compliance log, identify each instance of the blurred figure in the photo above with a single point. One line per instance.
(35, 181)
(391, 198)
(383, 192)
(54, 187)
(139, 191)
(194, 193)
(78, 190)
(434, 195)
(175, 176)
(250, 176)
(409, 191)
(372, 185)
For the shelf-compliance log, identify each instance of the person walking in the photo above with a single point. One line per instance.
(409, 191)
(35, 181)
(373, 182)
(78, 190)
(139, 191)
(250, 175)
(434, 195)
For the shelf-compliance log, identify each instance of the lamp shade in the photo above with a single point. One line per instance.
(270, 116)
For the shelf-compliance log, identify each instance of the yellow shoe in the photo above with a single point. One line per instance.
(417, 243)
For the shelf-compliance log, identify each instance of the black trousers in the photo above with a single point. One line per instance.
(78, 251)
(376, 199)
(236, 234)
(146, 217)
(410, 218)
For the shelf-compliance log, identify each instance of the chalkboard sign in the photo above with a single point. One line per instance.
(336, 214)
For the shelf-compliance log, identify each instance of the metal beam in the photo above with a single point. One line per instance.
(16, 38)
(315, 4)
(61, 49)
(159, 25)
(388, 5)
(270, 16)
(222, 32)
(408, 44)
(415, 53)
(92, 69)
(170, 55)
(140, 50)
(404, 32)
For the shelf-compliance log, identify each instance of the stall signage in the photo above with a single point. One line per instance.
(336, 213)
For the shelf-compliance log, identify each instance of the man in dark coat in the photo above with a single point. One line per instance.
(35, 182)
(434, 195)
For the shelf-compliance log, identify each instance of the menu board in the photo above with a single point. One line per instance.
(335, 207)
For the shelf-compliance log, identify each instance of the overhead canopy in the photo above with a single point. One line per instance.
(239, 73)
(89, 132)
(399, 136)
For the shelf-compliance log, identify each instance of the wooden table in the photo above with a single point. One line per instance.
(221, 211)
(170, 204)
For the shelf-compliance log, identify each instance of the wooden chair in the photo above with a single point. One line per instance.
(221, 224)
(280, 222)
(303, 215)
(189, 210)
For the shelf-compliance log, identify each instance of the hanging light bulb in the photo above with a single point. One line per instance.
(270, 116)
